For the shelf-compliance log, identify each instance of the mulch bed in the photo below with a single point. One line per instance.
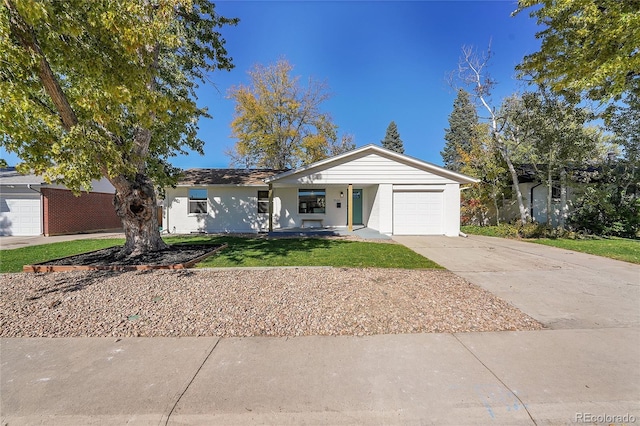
(177, 256)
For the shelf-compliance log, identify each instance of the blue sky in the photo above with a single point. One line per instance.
(382, 60)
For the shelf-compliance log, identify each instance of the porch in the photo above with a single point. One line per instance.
(362, 232)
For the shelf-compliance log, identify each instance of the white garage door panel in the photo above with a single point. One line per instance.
(418, 213)
(20, 216)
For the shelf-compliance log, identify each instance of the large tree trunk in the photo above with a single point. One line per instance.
(135, 204)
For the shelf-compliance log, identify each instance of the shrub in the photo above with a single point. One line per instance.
(606, 211)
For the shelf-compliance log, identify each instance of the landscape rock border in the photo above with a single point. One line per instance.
(51, 266)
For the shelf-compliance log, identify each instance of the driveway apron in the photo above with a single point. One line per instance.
(560, 288)
(583, 370)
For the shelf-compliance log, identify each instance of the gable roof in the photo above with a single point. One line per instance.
(10, 176)
(375, 149)
(237, 177)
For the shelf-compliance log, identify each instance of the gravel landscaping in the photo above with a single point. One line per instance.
(249, 302)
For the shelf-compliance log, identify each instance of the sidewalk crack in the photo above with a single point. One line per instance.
(515, 395)
(191, 381)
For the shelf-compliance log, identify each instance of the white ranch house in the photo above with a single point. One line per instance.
(370, 186)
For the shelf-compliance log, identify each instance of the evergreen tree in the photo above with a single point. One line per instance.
(392, 139)
(463, 125)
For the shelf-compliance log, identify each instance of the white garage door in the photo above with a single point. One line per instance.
(20, 215)
(418, 213)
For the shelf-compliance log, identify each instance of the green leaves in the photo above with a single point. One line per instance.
(120, 66)
(587, 46)
(277, 122)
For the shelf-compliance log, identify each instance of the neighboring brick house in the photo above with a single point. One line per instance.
(30, 206)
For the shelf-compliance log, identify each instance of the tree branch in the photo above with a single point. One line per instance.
(27, 38)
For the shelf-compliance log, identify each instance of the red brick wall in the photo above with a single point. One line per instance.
(64, 213)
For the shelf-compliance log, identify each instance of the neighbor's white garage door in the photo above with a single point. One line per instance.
(418, 213)
(20, 215)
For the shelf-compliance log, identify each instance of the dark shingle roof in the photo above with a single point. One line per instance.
(226, 176)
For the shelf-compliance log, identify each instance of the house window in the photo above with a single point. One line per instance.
(311, 201)
(263, 201)
(556, 193)
(197, 201)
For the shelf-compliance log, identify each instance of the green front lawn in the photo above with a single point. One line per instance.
(314, 252)
(614, 248)
(13, 260)
(242, 252)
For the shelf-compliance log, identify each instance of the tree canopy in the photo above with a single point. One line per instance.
(463, 125)
(392, 139)
(278, 123)
(107, 89)
(587, 46)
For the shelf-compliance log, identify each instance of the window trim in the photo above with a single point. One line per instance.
(197, 201)
(323, 203)
(262, 201)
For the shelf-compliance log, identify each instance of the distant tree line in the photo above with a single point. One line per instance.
(551, 128)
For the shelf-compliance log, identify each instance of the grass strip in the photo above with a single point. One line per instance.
(614, 248)
(246, 252)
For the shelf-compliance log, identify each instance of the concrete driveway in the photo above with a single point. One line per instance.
(586, 372)
(560, 288)
(13, 242)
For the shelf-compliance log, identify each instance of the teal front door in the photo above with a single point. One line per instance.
(357, 206)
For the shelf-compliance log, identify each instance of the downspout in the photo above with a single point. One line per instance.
(41, 206)
(531, 199)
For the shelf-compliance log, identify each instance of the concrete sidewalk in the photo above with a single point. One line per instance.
(507, 378)
(13, 242)
(584, 369)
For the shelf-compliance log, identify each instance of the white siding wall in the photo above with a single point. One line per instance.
(230, 209)
(540, 194)
(369, 169)
(452, 210)
(384, 200)
(371, 205)
(510, 212)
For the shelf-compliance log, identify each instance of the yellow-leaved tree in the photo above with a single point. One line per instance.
(278, 123)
